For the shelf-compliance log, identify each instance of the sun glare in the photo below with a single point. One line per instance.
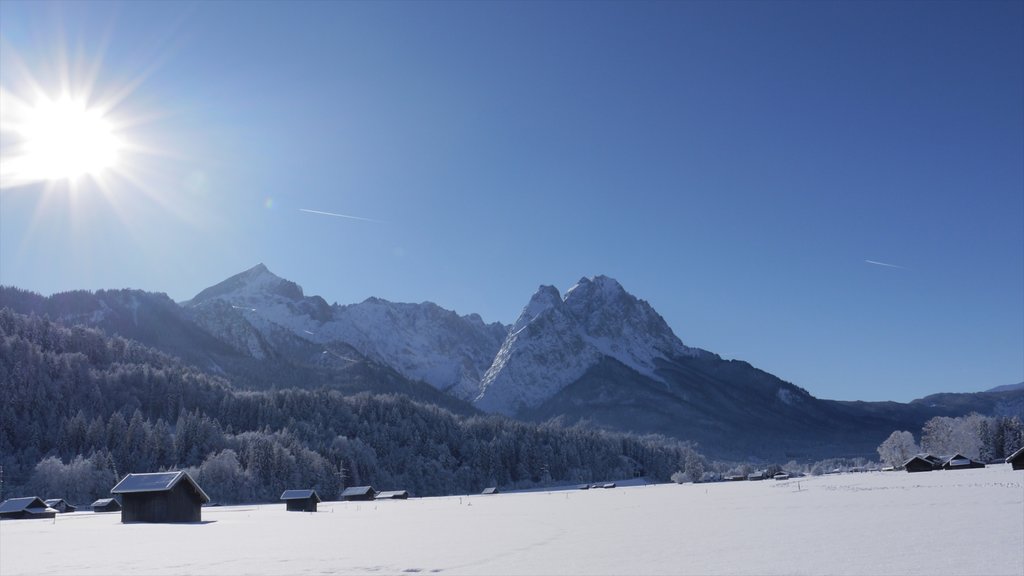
(65, 139)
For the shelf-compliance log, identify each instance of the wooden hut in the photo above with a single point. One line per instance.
(490, 490)
(1016, 459)
(300, 500)
(608, 485)
(393, 495)
(922, 463)
(61, 505)
(160, 497)
(106, 505)
(960, 462)
(25, 508)
(359, 493)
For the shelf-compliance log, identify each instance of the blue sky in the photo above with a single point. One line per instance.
(736, 164)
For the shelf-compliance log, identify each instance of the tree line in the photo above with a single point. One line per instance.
(82, 409)
(982, 438)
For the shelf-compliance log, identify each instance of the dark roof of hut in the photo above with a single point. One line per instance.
(1015, 455)
(104, 502)
(300, 495)
(156, 482)
(490, 490)
(358, 491)
(56, 501)
(19, 504)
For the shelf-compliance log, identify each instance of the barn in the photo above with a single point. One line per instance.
(106, 505)
(61, 505)
(359, 493)
(25, 509)
(300, 500)
(923, 463)
(393, 495)
(960, 462)
(160, 497)
(1016, 459)
(490, 490)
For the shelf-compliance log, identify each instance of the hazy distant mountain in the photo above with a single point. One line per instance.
(596, 354)
(1007, 388)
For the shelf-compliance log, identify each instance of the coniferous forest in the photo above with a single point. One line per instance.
(81, 409)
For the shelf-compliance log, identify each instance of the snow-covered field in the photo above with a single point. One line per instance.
(964, 522)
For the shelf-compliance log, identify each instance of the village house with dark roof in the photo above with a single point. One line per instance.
(25, 509)
(300, 500)
(160, 497)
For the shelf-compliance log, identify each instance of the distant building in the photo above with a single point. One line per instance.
(359, 493)
(160, 497)
(960, 462)
(106, 505)
(923, 463)
(490, 490)
(781, 476)
(300, 500)
(584, 487)
(25, 509)
(393, 495)
(61, 505)
(608, 485)
(759, 475)
(1016, 459)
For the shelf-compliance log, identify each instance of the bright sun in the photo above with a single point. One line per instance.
(65, 139)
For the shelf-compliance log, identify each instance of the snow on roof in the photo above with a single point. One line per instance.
(1015, 455)
(392, 494)
(19, 504)
(357, 490)
(155, 482)
(300, 495)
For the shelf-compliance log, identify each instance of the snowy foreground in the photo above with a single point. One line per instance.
(964, 522)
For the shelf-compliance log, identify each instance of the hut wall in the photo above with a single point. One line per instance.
(179, 504)
(304, 505)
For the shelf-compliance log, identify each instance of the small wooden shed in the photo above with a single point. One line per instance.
(25, 508)
(960, 462)
(160, 497)
(490, 490)
(61, 505)
(106, 505)
(393, 495)
(300, 500)
(922, 463)
(1016, 460)
(359, 493)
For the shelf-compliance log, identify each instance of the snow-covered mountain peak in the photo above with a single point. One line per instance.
(250, 287)
(556, 340)
(599, 286)
(544, 299)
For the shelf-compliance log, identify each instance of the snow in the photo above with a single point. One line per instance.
(950, 522)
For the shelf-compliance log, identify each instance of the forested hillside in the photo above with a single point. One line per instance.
(82, 409)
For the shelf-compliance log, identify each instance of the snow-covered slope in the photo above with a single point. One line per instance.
(424, 342)
(557, 339)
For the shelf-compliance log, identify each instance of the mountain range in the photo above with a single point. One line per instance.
(595, 355)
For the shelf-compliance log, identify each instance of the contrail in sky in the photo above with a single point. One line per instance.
(340, 215)
(876, 263)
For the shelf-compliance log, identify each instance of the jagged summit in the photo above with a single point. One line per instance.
(255, 283)
(557, 339)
